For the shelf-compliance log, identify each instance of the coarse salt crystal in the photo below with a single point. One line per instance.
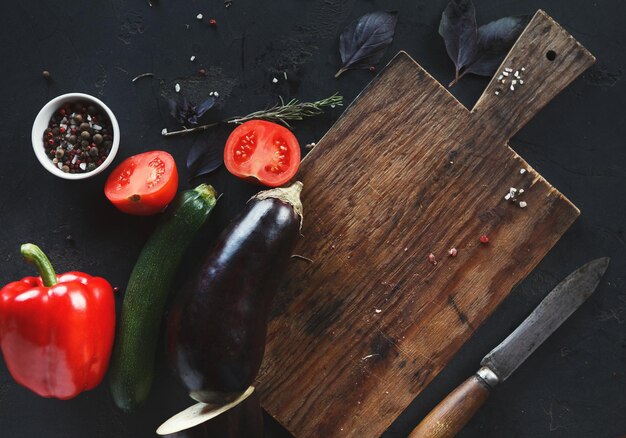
(497, 93)
(521, 82)
(523, 204)
(193, 58)
(521, 191)
(177, 88)
(512, 190)
(199, 16)
(514, 82)
(377, 310)
(512, 88)
(82, 166)
(508, 69)
(216, 94)
(499, 77)
(274, 80)
(522, 171)
(164, 131)
(74, 159)
(505, 73)
(507, 196)
(97, 127)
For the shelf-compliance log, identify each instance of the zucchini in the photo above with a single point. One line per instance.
(132, 366)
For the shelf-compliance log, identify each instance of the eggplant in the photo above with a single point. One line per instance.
(218, 322)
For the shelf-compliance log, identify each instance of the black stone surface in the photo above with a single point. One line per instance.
(573, 386)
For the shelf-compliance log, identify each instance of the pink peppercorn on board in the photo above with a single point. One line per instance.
(408, 172)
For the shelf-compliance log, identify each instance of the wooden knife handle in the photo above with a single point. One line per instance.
(453, 412)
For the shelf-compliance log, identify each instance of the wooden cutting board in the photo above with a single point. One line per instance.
(408, 171)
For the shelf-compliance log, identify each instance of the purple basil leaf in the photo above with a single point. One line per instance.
(186, 105)
(207, 153)
(173, 106)
(459, 31)
(185, 112)
(495, 39)
(205, 106)
(363, 42)
(198, 149)
(210, 161)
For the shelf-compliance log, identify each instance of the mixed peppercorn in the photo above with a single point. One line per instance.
(79, 137)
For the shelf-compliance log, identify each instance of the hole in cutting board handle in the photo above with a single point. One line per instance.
(551, 55)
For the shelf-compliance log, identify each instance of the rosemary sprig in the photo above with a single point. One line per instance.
(281, 113)
(292, 110)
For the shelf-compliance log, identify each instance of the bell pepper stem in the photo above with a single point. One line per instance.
(33, 254)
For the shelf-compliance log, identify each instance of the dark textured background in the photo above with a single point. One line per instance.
(573, 386)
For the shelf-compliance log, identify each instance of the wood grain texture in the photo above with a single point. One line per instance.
(405, 172)
(453, 412)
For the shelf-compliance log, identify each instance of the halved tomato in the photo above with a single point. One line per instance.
(262, 152)
(143, 184)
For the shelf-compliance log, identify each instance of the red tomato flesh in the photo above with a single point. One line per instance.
(143, 184)
(262, 152)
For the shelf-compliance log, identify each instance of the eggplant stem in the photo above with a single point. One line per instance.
(289, 195)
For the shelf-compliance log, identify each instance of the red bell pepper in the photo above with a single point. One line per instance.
(56, 331)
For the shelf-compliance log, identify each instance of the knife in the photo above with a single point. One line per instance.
(453, 412)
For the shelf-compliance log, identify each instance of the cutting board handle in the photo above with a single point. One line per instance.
(546, 58)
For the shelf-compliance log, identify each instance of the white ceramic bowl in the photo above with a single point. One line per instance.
(41, 124)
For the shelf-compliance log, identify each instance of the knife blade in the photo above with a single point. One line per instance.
(452, 413)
